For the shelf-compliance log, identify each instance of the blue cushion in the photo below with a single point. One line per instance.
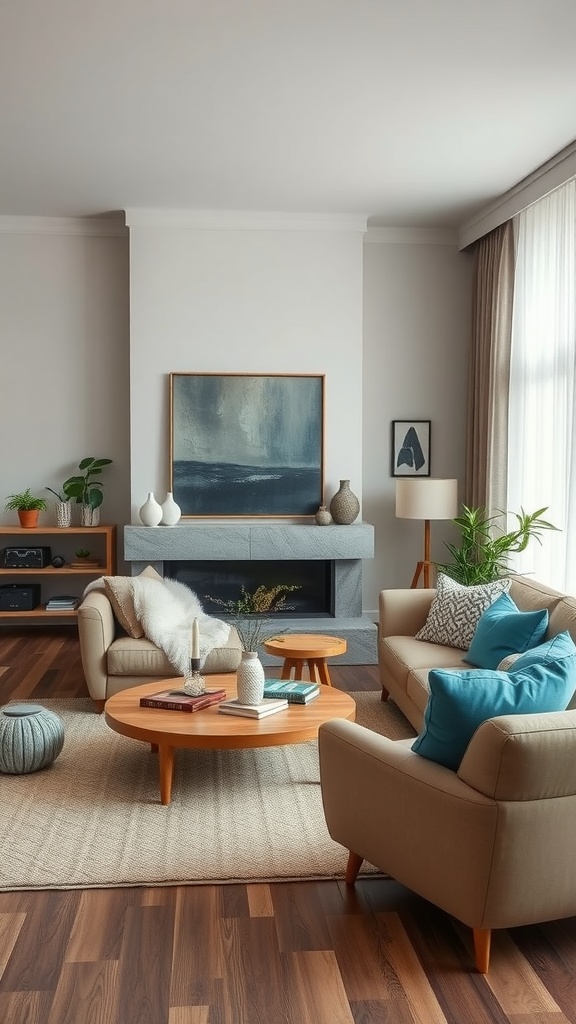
(460, 700)
(503, 629)
(559, 646)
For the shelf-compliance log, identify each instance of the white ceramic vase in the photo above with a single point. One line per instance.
(89, 516)
(63, 510)
(250, 679)
(171, 511)
(151, 511)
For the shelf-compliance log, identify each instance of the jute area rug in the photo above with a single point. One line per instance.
(93, 819)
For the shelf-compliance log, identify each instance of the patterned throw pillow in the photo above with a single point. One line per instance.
(120, 592)
(456, 609)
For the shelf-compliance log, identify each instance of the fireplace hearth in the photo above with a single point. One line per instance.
(324, 562)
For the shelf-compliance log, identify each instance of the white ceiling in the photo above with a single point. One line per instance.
(411, 112)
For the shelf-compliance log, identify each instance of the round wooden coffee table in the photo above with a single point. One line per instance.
(207, 729)
(310, 648)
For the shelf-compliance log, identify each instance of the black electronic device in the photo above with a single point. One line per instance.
(15, 597)
(58, 561)
(26, 557)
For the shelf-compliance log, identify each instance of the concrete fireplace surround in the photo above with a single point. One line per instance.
(346, 546)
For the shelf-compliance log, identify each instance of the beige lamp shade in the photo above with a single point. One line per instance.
(426, 498)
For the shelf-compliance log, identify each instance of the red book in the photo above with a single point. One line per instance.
(178, 700)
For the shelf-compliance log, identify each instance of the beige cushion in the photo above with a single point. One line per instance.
(120, 593)
(130, 656)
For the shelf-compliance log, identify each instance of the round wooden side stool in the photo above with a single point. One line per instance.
(312, 649)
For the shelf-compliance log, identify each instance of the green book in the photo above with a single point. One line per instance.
(294, 693)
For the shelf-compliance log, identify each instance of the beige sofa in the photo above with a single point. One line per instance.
(404, 662)
(114, 662)
(491, 843)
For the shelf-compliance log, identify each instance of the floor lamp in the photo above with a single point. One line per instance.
(426, 498)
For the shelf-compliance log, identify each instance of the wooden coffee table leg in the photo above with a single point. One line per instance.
(166, 765)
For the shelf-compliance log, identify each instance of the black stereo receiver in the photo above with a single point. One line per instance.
(26, 558)
(17, 598)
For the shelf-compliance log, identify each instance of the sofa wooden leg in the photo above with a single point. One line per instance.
(482, 938)
(385, 694)
(353, 867)
(99, 706)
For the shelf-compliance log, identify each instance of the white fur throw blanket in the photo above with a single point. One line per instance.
(166, 611)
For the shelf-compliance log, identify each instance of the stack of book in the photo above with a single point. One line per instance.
(294, 693)
(268, 707)
(179, 700)
(64, 603)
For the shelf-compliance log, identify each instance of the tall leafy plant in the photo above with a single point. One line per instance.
(83, 486)
(485, 550)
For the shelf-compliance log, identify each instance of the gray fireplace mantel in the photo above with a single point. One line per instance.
(346, 546)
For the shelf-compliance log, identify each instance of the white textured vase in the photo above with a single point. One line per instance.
(250, 679)
(171, 511)
(151, 511)
(89, 516)
(63, 510)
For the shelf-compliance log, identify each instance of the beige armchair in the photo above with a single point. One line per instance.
(492, 844)
(114, 662)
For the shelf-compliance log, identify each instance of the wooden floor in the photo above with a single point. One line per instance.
(289, 953)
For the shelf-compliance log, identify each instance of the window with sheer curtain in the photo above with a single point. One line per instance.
(542, 413)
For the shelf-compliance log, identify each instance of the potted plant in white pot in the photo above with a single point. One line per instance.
(86, 490)
(27, 506)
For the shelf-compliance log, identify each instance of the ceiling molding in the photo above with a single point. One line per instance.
(244, 220)
(412, 236)
(551, 175)
(62, 226)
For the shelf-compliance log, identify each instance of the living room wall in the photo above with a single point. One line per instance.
(417, 310)
(65, 362)
(244, 295)
(387, 320)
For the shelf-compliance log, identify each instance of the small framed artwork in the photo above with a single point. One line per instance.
(411, 448)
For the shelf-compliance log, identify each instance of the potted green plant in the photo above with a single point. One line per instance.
(86, 490)
(484, 551)
(27, 506)
(62, 507)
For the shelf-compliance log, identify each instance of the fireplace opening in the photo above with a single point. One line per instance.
(314, 580)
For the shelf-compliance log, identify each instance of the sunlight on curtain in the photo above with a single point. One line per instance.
(542, 414)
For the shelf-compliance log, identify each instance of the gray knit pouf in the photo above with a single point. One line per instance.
(31, 737)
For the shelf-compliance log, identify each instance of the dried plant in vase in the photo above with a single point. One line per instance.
(250, 614)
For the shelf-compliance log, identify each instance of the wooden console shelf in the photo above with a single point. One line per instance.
(68, 538)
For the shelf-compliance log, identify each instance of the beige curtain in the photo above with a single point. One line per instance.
(488, 382)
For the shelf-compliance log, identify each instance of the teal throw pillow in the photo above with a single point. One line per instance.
(557, 647)
(503, 629)
(460, 700)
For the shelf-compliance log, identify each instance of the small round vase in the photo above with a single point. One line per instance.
(344, 505)
(250, 679)
(323, 517)
(171, 511)
(151, 511)
(63, 510)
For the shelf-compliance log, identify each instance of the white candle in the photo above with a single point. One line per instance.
(195, 639)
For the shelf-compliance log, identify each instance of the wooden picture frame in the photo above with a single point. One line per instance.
(411, 447)
(246, 444)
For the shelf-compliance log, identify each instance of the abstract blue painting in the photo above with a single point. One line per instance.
(247, 444)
